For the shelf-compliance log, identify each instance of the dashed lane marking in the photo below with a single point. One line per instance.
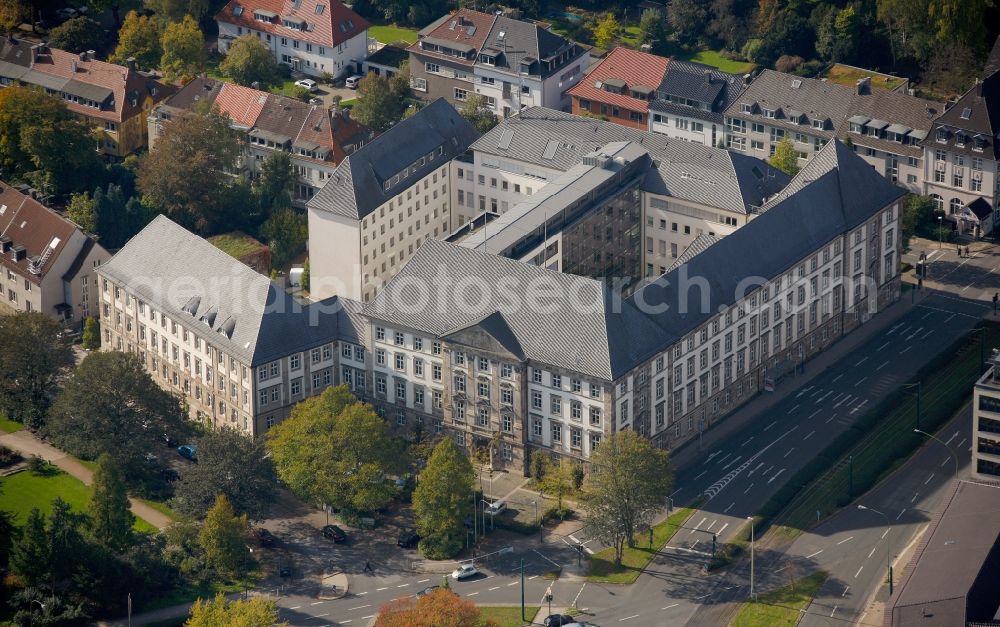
(809, 436)
(622, 620)
(790, 411)
(884, 364)
(822, 398)
(748, 488)
(837, 378)
(858, 408)
(726, 511)
(360, 607)
(813, 415)
(669, 606)
(472, 594)
(859, 572)
(848, 539)
(905, 349)
(770, 425)
(929, 479)
(861, 361)
(879, 349)
(814, 554)
(788, 453)
(776, 475)
(860, 381)
(844, 593)
(900, 513)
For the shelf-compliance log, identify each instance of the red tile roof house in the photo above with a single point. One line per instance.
(315, 37)
(47, 263)
(317, 138)
(620, 87)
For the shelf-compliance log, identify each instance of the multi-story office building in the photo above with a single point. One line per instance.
(962, 158)
(383, 201)
(238, 349)
(315, 37)
(48, 263)
(986, 423)
(316, 138)
(886, 128)
(114, 99)
(513, 63)
(690, 101)
(692, 190)
(621, 87)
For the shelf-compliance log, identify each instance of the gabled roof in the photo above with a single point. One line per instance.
(242, 104)
(41, 231)
(698, 82)
(358, 186)
(695, 248)
(202, 287)
(464, 30)
(630, 66)
(119, 90)
(525, 41)
(977, 113)
(836, 191)
(499, 336)
(328, 22)
(580, 324)
(980, 207)
(712, 176)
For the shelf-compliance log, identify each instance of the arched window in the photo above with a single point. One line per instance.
(938, 202)
(955, 205)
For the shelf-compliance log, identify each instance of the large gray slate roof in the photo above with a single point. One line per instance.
(524, 39)
(977, 112)
(356, 187)
(201, 287)
(690, 171)
(836, 191)
(702, 83)
(581, 324)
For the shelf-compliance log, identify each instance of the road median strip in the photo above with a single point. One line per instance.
(636, 559)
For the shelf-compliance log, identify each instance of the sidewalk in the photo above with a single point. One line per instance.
(27, 444)
(690, 452)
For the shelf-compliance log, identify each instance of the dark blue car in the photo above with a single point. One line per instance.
(188, 451)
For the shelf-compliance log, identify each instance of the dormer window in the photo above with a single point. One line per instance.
(264, 16)
(819, 124)
(979, 143)
(746, 108)
(960, 140)
(769, 113)
(942, 135)
(487, 59)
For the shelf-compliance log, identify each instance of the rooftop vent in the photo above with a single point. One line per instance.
(796, 83)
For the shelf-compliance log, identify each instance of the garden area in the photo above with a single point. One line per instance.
(635, 559)
(507, 615)
(391, 33)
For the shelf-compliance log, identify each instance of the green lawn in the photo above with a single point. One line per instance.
(715, 59)
(782, 606)
(236, 244)
(9, 426)
(24, 491)
(508, 616)
(635, 560)
(388, 33)
(163, 508)
(630, 36)
(849, 76)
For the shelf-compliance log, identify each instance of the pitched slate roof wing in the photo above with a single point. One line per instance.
(330, 26)
(630, 66)
(26, 222)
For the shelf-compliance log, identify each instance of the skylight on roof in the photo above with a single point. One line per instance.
(237, 10)
(3, 209)
(966, 113)
(796, 84)
(319, 9)
(54, 243)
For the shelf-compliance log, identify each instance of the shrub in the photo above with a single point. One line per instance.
(787, 63)
(36, 465)
(8, 457)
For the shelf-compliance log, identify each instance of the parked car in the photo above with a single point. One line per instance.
(464, 572)
(335, 533)
(307, 83)
(284, 569)
(496, 508)
(188, 451)
(353, 82)
(169, 441)
(263, 536)
(408, 539)
(426, 591)
(558, 620)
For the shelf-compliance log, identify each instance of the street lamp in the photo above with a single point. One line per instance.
(944, 444)
(940, 232)
(750, 518)
(888, 542)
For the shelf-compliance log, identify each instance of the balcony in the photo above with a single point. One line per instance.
(988, 425)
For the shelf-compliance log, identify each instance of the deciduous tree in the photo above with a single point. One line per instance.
(440, 608)
(111, 405)
(80, 209)
(79, 35)
(237, 613)
(607, 31)
(286, 233)
(110, 516)
(559, 481)
(29, 557)
(91, 334)
(115, 6)
(377, 106)
(183, 49)
(785, 158)
(477, 111)
(168, 11)
(918, 218)
(441, 500)
(229, 463)
(629, 482)
(223, 538)
(32, 359)
(250, 61)
(273, 185)
(687, 18)
(138, 38)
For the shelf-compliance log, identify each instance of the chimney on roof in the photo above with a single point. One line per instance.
(130, 63)
(747, 78)
(83, 56)
(863, 86)
(72, 66)
(979, 87)
(708, 76)
(91, 55)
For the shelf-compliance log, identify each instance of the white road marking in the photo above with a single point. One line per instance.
(900, 513)
(747, 441)
(914, 496)
(856, 409)
(735, 459)
(472, 594)
(879, 349)
(788, 453)
(367, 617)
(317, 602)
(830, 419)
(669, 606)
(344, 622)
(803, 391)
(532, 577)
(423, 581)
(953, 436)
(863, 360)
(927, 335)
(905, 349)
(885, 533)
(381, 589)
(361, 594)
(699, 476)
(912, 335)
(622, 620)
(882, 366)
(814, 554)
(791, 410)
(748, 488)
(750, 474)
(556, 564)
(859, 572)
(842, 401)
(494, 588)
(845, 540)
(813, 415)
(945, 461)
(513, 583)
(836, 378)
(929, 479)
(844, 593)
(295, 608)
(721, 529)
(360, 607)
(822, 398)
(724, 458)
(860, 381)
(776, 475)
(726, 511)
(834, 610)
(698, 526)
(321, 615)
(770, 425)
(809, 436)
(872, 552)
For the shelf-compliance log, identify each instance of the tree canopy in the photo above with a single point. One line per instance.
(378, 106)
(138, 38)
(32, 359)
(440, 608)
(223, 538)
(286, 233)
(441, 500)
(476, 110)
(629, 482)
(785, 158)
(79, 35)
(111, 518)
(249, 61)
(183, 48)
(219, 612)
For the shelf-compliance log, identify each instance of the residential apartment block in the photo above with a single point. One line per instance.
(48, 263)
(238, 349)
(690, 190)
(986, 424)
(316, 138)
(315, 37)
(962, 158)
(114, 99)
(886, 128)
(690, 101)
(383, 201)
(621, 87)
(513, 63)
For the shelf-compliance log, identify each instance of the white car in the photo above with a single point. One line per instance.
(353, 82)
(307, 83)
(464, 572)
